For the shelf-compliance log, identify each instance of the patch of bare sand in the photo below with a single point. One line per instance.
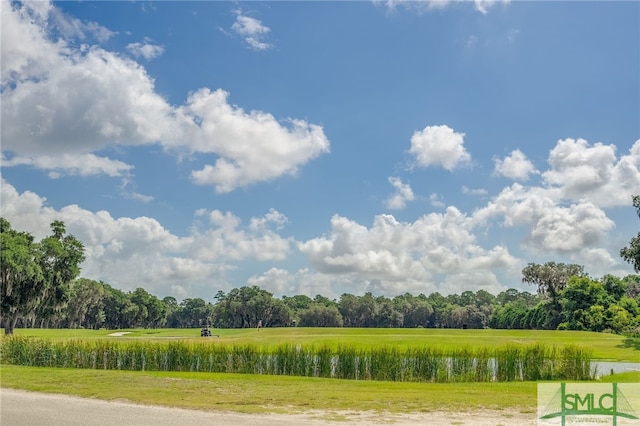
(120, 333)
(437, 418)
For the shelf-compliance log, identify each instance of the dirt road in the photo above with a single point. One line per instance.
(21, 408)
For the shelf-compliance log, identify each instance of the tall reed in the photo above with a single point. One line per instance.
(422, 364)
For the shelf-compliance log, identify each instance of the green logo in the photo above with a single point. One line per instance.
(588, 403)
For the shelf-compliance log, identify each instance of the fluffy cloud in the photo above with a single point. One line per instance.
(403, 193)
(281, 282)
(61, 100)
(515, 166)
(568, 229)
(397, 254)
(439, 146)
(225, 239)
(551, 228)
(261, 147)
(593, 172)
(85, 100)
(565, 217)
(140, 252)
(253, 31)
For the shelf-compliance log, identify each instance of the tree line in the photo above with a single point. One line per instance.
(607, 304)
(40, 288)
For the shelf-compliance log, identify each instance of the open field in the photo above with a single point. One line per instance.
(603, 346)
(326, 399)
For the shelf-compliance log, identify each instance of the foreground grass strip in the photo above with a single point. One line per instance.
(278, 394)
(382, 363)
(270, 394)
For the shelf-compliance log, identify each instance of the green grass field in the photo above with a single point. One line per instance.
(611, 347)
(281, 394)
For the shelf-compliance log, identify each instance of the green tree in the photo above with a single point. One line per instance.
(387, 315)
(620, 320)
(86, 304)
(348, 307)
(297, 302)
(60, 259)
(247, 306)
(191, 313)
(119, 310)
(36, 277)
(151, 312)
(358, 311)
(551, 278)
(441, 310)
(416, 311)
(510, 316)
(21, 278)
(578, 300)
(172, 308)
(632, 253)
(318, 315)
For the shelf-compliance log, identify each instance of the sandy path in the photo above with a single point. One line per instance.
(18, 408)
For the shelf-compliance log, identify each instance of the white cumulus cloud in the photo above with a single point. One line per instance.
(253, 146)
(60, 100)
(515, 166)
(397, 254)
(439, 146)
(593, 172)
(139, 252)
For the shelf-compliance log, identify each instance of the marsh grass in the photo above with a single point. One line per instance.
(377, 363)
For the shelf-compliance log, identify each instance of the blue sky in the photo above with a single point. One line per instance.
(324, 147)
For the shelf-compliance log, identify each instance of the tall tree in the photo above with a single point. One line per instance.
(632, 253)
(85, 307)
(249, 306)
(551, 278)
(151, 312)
(60, 258)
(579, 300)
(120, 311)
(35, 277)
(318, 315)
(21, 278)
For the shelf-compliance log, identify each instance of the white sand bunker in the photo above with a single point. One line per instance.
(120, 333)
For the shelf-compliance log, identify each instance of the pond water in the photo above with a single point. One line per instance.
(604, 368)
